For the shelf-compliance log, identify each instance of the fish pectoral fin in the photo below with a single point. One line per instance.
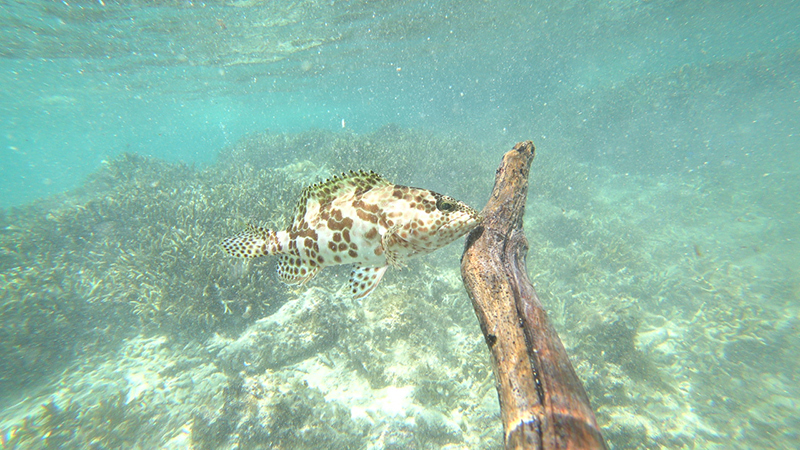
(363, 280)
(390, 241)
(293, 270)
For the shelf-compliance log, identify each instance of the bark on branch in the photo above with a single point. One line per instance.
(542, 401)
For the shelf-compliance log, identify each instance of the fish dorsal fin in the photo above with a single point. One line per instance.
(326, 191)
(363, 280)
(293, 270)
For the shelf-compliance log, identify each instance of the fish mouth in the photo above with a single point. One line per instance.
(472, 221)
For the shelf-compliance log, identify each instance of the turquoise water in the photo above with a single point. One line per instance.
(663, 214)
(84, 81)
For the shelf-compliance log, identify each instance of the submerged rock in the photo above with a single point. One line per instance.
(301, 328)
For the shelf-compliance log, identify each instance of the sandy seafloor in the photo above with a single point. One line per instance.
(662, 217)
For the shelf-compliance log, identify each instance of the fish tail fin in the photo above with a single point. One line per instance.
(253, 242)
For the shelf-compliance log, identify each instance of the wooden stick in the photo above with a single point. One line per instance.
(542, 401)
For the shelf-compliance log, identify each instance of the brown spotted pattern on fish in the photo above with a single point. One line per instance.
(357, 218)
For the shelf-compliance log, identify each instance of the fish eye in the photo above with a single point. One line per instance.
(445, 205)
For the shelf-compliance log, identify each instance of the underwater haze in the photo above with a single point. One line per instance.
(663, 217)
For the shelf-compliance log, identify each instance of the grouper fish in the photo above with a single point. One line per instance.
(357, 218)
